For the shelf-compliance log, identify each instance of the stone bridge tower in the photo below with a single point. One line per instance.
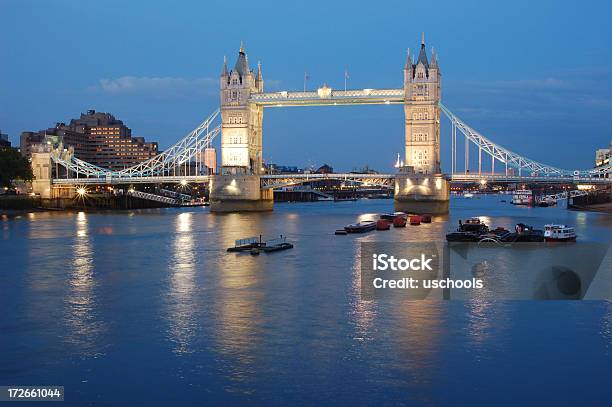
(241, 143)
(420, 186)
(422, 92)
(238, 188)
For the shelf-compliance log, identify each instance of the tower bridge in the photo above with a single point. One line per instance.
(241, 185)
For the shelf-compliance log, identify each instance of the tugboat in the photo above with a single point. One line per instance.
(469, 231)
(526, 233)
(559, 233)
(361, 227)
(383, 224)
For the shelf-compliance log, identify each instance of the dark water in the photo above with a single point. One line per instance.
(147, 308)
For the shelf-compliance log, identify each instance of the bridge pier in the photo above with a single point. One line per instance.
(41, 169)
(239, 193)
(421, 193)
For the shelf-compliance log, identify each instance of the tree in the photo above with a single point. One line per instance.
(13, 166)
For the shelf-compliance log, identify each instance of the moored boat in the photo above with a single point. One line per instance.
(414, 220)
(391, 216)
(469, 231)
(522, 197)
(473, 225)
(361, 227)
(246, 244)
(559, 233)
(399, 222)
(383, 224)
(426, 218)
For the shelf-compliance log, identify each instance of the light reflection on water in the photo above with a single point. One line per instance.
(212, 323)
(83, 326)
(182, 305)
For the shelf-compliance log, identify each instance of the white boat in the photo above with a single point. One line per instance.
(468, 195)
(522, 197)
(559, 233)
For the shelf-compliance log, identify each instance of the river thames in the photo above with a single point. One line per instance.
(147, 308)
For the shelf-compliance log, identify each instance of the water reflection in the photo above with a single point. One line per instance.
(182, 286)
(363, 312)
(606, 326)
(238, 301)
(83, 328)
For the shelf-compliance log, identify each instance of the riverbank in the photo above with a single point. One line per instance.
(605, 207)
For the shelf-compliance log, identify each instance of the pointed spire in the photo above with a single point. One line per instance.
(408, 61)
(423, 54)
(242, 64)
(259, 74)
(224, 72)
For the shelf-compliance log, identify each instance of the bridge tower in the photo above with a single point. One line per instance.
(420, 186)
(237, 187)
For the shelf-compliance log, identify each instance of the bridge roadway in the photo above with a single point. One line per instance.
(326, 96)
(274, 181)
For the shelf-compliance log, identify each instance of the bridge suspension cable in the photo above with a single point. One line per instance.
(497, 152)
(165, 164)
(505, 156)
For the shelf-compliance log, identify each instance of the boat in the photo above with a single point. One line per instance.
(276, 245)
(426, 218)
(246, 244)
(340, 232)
(559, 233)
(473, 225)
(522, 234)
(383, 224)
(522, 197)
(399, 222)
(391, 216)
(254, 245)
(414, 220)
(471, 230)
(468, 195)
(462, 237)
(545, 203)
(361, 227)
(526, 233)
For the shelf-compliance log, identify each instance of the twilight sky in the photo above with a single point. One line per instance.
(534, 76)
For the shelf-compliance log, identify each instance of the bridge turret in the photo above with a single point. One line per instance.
(419, 186)
(238, 188)
(259, 79)
(422, 94)
(241, 121)
(408, 69)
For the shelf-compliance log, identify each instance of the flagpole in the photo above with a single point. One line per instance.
(305, 75)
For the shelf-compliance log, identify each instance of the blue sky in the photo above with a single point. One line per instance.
(535, 77)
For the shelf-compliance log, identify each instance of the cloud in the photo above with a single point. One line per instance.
(561, 96)
(157, 86)
(164, 87)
